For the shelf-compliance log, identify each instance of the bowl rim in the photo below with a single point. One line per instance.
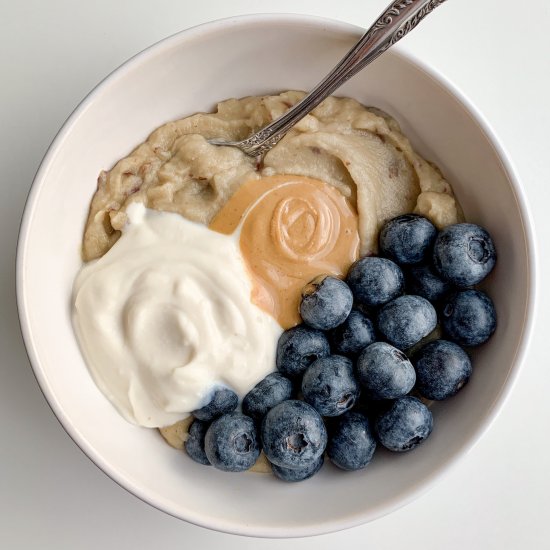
(230, 526)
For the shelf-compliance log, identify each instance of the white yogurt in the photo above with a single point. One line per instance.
(165, 316)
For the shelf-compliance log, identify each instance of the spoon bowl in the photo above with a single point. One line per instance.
(288, 52)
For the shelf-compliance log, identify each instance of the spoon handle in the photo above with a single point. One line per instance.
(399, 18)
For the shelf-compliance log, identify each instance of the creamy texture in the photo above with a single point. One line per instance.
(360, 151)
(166, 315)
(293, 228)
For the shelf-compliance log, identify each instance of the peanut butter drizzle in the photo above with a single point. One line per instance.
(294, 229)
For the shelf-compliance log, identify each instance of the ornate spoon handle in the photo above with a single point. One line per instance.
(399, 18)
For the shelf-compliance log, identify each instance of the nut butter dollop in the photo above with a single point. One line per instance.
(293, 228)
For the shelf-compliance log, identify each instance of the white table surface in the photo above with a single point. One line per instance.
(52, 52)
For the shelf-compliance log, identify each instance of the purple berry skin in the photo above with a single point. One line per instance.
(469, 317)
(329, 385)
(442, 369)
(403, 322)
(267, 393)
(298, 347)
(353, 335)
(351, 443)
(407, 239)
(293, 435)
(464, 254)
(326, 302)
(232, 443)
(297, 474)
(385, 372)
(223, 401)
(375, 281)
(405, 425)
(195, 442)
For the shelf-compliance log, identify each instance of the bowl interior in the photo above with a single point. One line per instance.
(190, 72)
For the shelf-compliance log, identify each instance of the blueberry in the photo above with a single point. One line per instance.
(231, 443)
(329, 386)
(406, 320)
(298, 347)
(223, 401)
(464, 254)
(352, 444)
(354, 334)
(298, 474)
(442, 368)
(267, 393)
(375, 281)
(406, 424)
(195, 442)
(326, 302)
(385, 372)
(407, 239)
(469, 317)
(423, 280)
(370, 406)
(293, 435)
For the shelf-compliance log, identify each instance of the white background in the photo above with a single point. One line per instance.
(52, 52)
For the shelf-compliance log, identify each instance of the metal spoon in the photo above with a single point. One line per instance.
(399, 18)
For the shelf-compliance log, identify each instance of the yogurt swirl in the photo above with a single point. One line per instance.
(165, 316)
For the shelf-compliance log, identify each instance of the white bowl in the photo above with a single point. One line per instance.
(190, 72)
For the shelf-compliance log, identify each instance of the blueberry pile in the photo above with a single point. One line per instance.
(358, 371)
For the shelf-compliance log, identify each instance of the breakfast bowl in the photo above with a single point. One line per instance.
(190, 72)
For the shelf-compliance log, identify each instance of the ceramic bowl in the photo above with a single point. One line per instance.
(190, 72)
